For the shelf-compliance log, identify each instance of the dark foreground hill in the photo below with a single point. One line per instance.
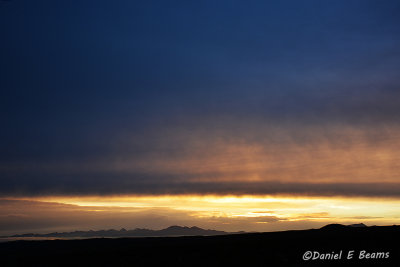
(335, 245)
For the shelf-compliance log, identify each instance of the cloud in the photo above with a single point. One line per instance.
(315, 215)
(136, 187)
(365, 217)
(236, 158)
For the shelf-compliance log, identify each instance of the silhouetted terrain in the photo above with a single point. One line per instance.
(170, 231)
(369, 246)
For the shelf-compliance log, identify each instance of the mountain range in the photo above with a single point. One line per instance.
(170, 231)
(140, 232)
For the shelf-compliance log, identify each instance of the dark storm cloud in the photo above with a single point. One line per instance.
(79, 81)
(101, 184)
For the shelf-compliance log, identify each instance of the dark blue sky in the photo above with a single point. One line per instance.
(77, 77)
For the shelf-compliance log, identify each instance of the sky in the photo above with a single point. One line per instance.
(230, 115)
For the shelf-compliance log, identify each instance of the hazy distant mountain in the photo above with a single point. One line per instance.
(170, 231)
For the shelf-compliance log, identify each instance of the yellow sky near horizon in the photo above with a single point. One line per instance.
(229, 213)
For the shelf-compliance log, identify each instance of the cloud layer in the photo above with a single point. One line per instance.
(158, 97)
(240, 158)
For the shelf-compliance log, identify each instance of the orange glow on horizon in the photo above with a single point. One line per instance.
(327, 209)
